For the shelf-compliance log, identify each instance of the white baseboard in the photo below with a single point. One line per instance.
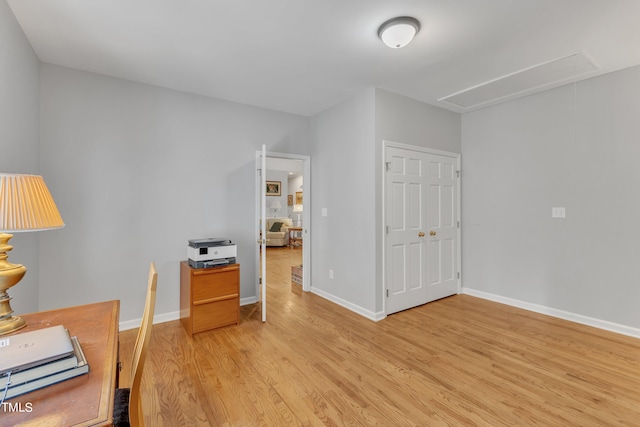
(249, 300)
(349, 306)
(158, 318)
(561, 314)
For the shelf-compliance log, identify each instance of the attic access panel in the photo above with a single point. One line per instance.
(532, 79)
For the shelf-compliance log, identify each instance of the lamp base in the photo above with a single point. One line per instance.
(10, 275)
(12, 324)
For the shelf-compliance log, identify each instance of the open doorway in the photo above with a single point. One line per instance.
(287, 228)
(285, 206)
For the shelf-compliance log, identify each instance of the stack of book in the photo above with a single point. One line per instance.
(36, 359)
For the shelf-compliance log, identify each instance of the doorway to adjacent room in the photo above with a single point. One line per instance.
(284, 202)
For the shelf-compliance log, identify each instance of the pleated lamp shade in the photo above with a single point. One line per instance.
(26, 204)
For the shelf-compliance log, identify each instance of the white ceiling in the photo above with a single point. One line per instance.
(303, 56)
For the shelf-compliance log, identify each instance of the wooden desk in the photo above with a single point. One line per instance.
(86, 400)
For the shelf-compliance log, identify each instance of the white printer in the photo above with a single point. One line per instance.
(212, 252)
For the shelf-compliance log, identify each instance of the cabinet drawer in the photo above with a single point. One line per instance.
(214, 285)
(215, 315)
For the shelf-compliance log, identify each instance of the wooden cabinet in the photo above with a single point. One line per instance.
(209, 297)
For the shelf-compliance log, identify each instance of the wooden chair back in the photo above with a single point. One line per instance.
(136, 417)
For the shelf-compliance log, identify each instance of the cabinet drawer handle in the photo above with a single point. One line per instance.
(216, 299)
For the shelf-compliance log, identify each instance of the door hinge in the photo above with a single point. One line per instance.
(458, 174)
(387, 293)
(387, 166)
(458, 274)
(458, 224)
(386, 227)
(260, 281)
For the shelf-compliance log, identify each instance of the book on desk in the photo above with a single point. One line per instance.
(56, 364)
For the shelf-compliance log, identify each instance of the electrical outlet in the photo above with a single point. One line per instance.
(330, 274)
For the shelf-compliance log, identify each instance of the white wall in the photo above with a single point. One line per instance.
(405, 120)
(343, 180)
(557, 148)
(138, 170)
(283, 177)
(19, 112)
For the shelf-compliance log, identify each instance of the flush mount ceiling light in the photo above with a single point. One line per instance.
(398, 32)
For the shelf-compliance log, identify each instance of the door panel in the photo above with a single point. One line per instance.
(415, 206)
(397, 269)
(397, 213)
(415, 266)
(435, 251)
(434, 206)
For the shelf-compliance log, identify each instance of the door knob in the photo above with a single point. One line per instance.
(432, 233)
(421, 234)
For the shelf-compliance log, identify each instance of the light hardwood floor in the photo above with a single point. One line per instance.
(458, 361)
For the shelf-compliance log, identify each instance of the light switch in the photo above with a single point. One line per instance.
(324, 211)
(558, 213)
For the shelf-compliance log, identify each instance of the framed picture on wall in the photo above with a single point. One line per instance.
(290, 200)
(273, 188)
(298, 197)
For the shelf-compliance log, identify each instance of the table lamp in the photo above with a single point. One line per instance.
(25, 205)
(276, 206)
(298, 209)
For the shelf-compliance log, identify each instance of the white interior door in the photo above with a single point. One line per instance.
(263, 230)
(406, 188)
(442, 248)
(422, 234)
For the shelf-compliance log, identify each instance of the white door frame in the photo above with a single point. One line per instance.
(426, 150)
(306, 216)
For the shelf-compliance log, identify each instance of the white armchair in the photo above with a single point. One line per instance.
(280, 234)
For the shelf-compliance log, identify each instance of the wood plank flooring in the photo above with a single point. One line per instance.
(460, 361)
